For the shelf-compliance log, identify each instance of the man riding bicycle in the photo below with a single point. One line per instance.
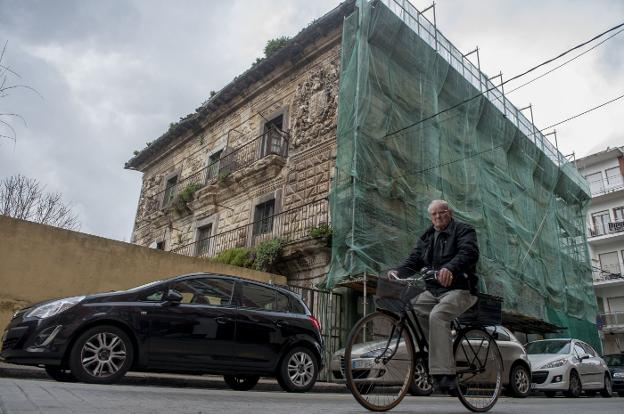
(450, 248)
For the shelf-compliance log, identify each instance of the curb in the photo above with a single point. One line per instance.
(168, 380)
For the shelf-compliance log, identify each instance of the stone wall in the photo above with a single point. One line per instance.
(305, 93)
(39, 262)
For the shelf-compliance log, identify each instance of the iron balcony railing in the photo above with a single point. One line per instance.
(273, 141)
(610, 320)
(291, 226)
(603, 275)
(428, 32)
(611, 228)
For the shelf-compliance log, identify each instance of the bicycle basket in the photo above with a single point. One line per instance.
(487, 311)
(395, 295)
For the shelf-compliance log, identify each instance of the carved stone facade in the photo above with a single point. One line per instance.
(302, 96)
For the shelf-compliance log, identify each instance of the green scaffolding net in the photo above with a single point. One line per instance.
(526, 201)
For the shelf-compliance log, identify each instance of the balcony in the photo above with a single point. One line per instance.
(272, 142)
(610, 185)
(612, 322)
(291, 226)
(600, 275)
(614, 230)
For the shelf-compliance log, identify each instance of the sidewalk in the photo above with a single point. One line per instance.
(168, 380)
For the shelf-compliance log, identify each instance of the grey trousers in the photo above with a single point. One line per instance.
(435, 314)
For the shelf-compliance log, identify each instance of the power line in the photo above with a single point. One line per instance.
(564, 63)
(505, 82)
(583, 113)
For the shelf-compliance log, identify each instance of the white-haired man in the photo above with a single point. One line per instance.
(450, 248)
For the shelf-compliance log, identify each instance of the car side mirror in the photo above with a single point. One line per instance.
(495, 336)
(173, 297)
(583, 357)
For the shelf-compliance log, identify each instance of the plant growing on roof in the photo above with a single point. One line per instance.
(273, 45)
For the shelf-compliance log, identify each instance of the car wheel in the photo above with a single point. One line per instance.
(520, 381)
(101, 355)
(550, 394)
(59, 374)
(241, 382)
(607, 391)
(298, 370)
(421, 385)
(575, 388)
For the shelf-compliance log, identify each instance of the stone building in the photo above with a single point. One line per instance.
(254, 162)
(257, 160)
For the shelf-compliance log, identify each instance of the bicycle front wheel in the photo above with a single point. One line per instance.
(479, 369)
(379, 361)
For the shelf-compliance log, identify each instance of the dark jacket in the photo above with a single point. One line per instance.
(457, 251)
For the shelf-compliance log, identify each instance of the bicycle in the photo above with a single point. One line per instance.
(380, 355)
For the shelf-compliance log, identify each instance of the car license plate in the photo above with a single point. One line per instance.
(360, 363)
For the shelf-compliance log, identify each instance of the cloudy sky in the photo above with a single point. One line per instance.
(113, 74)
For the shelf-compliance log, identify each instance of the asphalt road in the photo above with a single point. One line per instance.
(30, 390)
(23, 395)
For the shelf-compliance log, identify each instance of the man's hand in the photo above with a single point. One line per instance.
(393, 275)
(445, 277)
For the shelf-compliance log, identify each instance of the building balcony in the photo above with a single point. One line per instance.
(273, 142)
(603, 187)
(612, 232)
(291, 226)
(612, 322)
(603, 276)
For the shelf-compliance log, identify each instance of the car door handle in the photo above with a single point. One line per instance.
(280, 323)
(223, 320)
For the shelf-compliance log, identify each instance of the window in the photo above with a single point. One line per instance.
(618, 213)
(614, 177)
(205, 291)
(257, 297)
(600, 221)
(609, 263)
(203, 240)
(272, 140)
(263, 217)
(154, 296)
(170, 190)
(213, 165)
(578, 350)
(596, 185)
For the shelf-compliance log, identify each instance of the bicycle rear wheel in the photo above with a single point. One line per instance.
(479, 369)
(379, 361)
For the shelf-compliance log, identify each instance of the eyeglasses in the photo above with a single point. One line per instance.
(438, 213)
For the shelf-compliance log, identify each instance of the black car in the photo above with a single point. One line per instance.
(615, 362)
(199, 323)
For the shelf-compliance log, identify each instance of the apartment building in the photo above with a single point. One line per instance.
(604, 172)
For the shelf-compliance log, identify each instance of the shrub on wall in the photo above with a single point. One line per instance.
(267, 252)
(236, 256)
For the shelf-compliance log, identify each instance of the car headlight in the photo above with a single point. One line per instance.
(618, 375)
(53, 308)
(555, 364)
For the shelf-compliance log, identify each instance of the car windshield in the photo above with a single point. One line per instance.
(614, 359)
(548, 347)
(144, 286)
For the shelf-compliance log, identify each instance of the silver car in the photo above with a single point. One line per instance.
(516, 365)
(570, 366)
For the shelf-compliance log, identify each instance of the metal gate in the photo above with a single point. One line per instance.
(327, 307)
